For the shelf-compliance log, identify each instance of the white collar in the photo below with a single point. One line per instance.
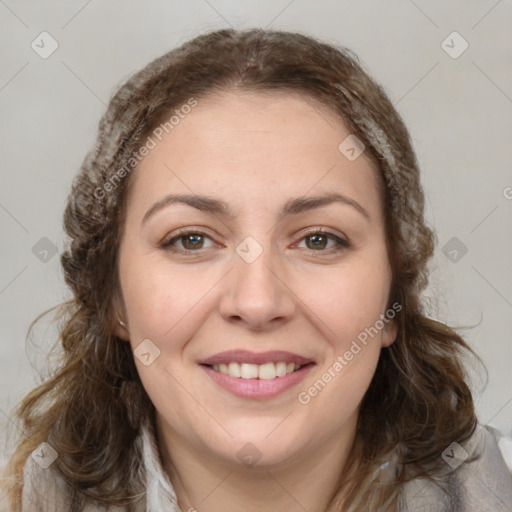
(160, 492)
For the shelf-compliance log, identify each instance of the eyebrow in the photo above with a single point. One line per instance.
(217, 207)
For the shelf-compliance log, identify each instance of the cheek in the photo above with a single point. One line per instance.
(163, 304)
(162, 299)
(348, 312)
(346, 302)
(348, 307)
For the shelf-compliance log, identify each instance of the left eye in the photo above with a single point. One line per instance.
(319, 240)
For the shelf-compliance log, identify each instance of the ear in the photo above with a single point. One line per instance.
(389, 333)
(119, 314)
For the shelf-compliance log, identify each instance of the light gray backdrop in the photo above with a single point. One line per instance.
(457, 102)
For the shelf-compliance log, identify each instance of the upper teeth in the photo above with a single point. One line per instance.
(255, 371)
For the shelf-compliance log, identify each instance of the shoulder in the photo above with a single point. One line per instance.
(43, 490)
(480, 477)
(488, 479)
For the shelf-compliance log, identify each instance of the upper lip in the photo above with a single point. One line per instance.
(244, 356)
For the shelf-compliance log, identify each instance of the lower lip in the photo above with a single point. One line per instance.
(258, 388)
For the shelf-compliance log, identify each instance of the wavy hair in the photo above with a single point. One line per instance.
(91, 408)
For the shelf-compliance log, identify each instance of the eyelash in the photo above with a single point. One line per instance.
(342, 244)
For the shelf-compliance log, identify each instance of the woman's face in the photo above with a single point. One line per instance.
(251, 289)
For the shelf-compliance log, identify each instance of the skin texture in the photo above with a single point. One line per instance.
(254, 151)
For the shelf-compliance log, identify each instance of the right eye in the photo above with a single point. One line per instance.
(191, 241)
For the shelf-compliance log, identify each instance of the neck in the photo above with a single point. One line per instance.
(206, 483)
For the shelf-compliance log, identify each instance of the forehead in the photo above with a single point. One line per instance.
(254, 147)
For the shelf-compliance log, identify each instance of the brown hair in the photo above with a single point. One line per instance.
(91, 408)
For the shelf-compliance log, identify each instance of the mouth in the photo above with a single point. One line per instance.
(256, 376)
(266, 371)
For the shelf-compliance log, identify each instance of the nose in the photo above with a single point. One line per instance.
(256, 294)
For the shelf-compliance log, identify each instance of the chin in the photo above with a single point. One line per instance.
(259, 452)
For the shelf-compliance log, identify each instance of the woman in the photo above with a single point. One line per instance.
(247, 254)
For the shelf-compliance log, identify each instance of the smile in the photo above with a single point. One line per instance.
(265, 371)
(253, 386)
